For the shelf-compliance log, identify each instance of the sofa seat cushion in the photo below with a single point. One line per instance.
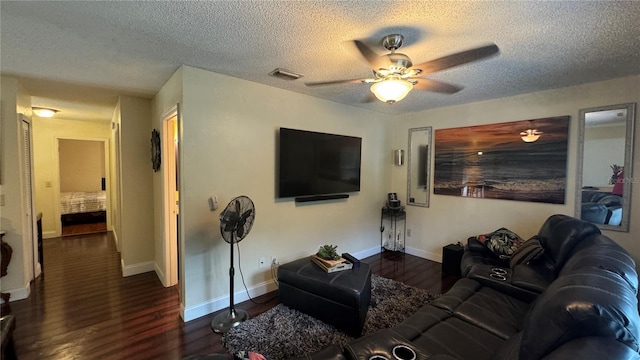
(493, 311)
(460, 339)
(462, 290)
(438, 331)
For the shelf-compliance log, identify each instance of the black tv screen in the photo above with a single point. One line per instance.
(313, 163)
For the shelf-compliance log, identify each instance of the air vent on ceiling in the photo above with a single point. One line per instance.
(285, 74)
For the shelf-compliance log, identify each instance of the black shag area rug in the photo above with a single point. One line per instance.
(282, 332)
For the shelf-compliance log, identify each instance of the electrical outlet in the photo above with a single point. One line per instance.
(263, 262)
(274, 261)
(408, 232)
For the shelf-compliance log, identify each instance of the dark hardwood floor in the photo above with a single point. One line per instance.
(84, 229)
(82, 307)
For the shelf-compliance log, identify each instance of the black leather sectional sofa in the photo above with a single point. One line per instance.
(601, 207)
(578, 300)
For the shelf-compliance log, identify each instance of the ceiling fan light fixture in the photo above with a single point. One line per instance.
(530, 135)
(44, 112)
(391, 90)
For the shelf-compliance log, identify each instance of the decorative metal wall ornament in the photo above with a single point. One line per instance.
(155, 150)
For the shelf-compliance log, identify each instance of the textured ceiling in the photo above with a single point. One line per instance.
(85, 53)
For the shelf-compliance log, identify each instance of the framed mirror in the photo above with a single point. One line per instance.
(419, 166)
(605, 157)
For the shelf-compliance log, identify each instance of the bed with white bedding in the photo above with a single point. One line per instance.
(83, 207)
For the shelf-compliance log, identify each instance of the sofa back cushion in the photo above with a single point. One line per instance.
(588, 302)
(599, 252)
(559, 235)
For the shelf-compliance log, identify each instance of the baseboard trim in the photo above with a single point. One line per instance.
(135, 269)
(160, 274)
(424, 254)
(211, 306)
(18, 294)
(49, 234)
(367, 252)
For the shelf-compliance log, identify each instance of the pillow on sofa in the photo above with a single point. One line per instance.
(502, 242)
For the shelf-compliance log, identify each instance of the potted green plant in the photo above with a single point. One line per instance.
(328, 252)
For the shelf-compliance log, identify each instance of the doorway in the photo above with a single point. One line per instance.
(171, 180)
(83, 184)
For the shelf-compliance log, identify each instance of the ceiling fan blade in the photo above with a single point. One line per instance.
(436, 86)
(457, 59)
(376, 61)
(369, 99)
(335, 82)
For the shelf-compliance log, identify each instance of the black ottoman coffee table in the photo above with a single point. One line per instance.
(340, 298)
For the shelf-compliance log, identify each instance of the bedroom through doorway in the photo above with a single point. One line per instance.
(83, 196)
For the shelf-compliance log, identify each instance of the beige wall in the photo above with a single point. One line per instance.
(166, 100)
(136, 190)
(603, 147)
(16, 102)
(228, 145)
(81, 165)
(450, 219)
(46, 133)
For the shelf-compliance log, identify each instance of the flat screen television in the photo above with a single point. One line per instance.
(313, 163)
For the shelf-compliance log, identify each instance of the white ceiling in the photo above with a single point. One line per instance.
(78, 56)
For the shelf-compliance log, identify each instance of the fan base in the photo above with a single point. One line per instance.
(226, 320)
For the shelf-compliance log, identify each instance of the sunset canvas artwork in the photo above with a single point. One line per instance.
(493, 161)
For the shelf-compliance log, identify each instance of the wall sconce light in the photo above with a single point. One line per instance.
(398, 157)
(530, 135)
(44, 112)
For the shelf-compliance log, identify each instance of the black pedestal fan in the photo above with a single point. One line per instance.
(235, 223)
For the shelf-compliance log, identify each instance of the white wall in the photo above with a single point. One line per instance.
(450, 219)
(229, 147)
(15, 101)
(46, 132)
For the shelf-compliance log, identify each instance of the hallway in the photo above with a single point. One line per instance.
(82, 307)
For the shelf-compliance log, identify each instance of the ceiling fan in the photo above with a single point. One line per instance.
(395, 75)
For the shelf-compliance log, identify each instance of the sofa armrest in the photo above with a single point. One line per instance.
(501, 280)
(381, 343)
(475, 253)
(531, 278)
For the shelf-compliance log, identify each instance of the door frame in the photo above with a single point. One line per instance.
(172, 229)
(56, 174)
(32, 266)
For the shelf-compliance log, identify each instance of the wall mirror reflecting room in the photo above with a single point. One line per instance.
(419, 166)
(603, 189)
